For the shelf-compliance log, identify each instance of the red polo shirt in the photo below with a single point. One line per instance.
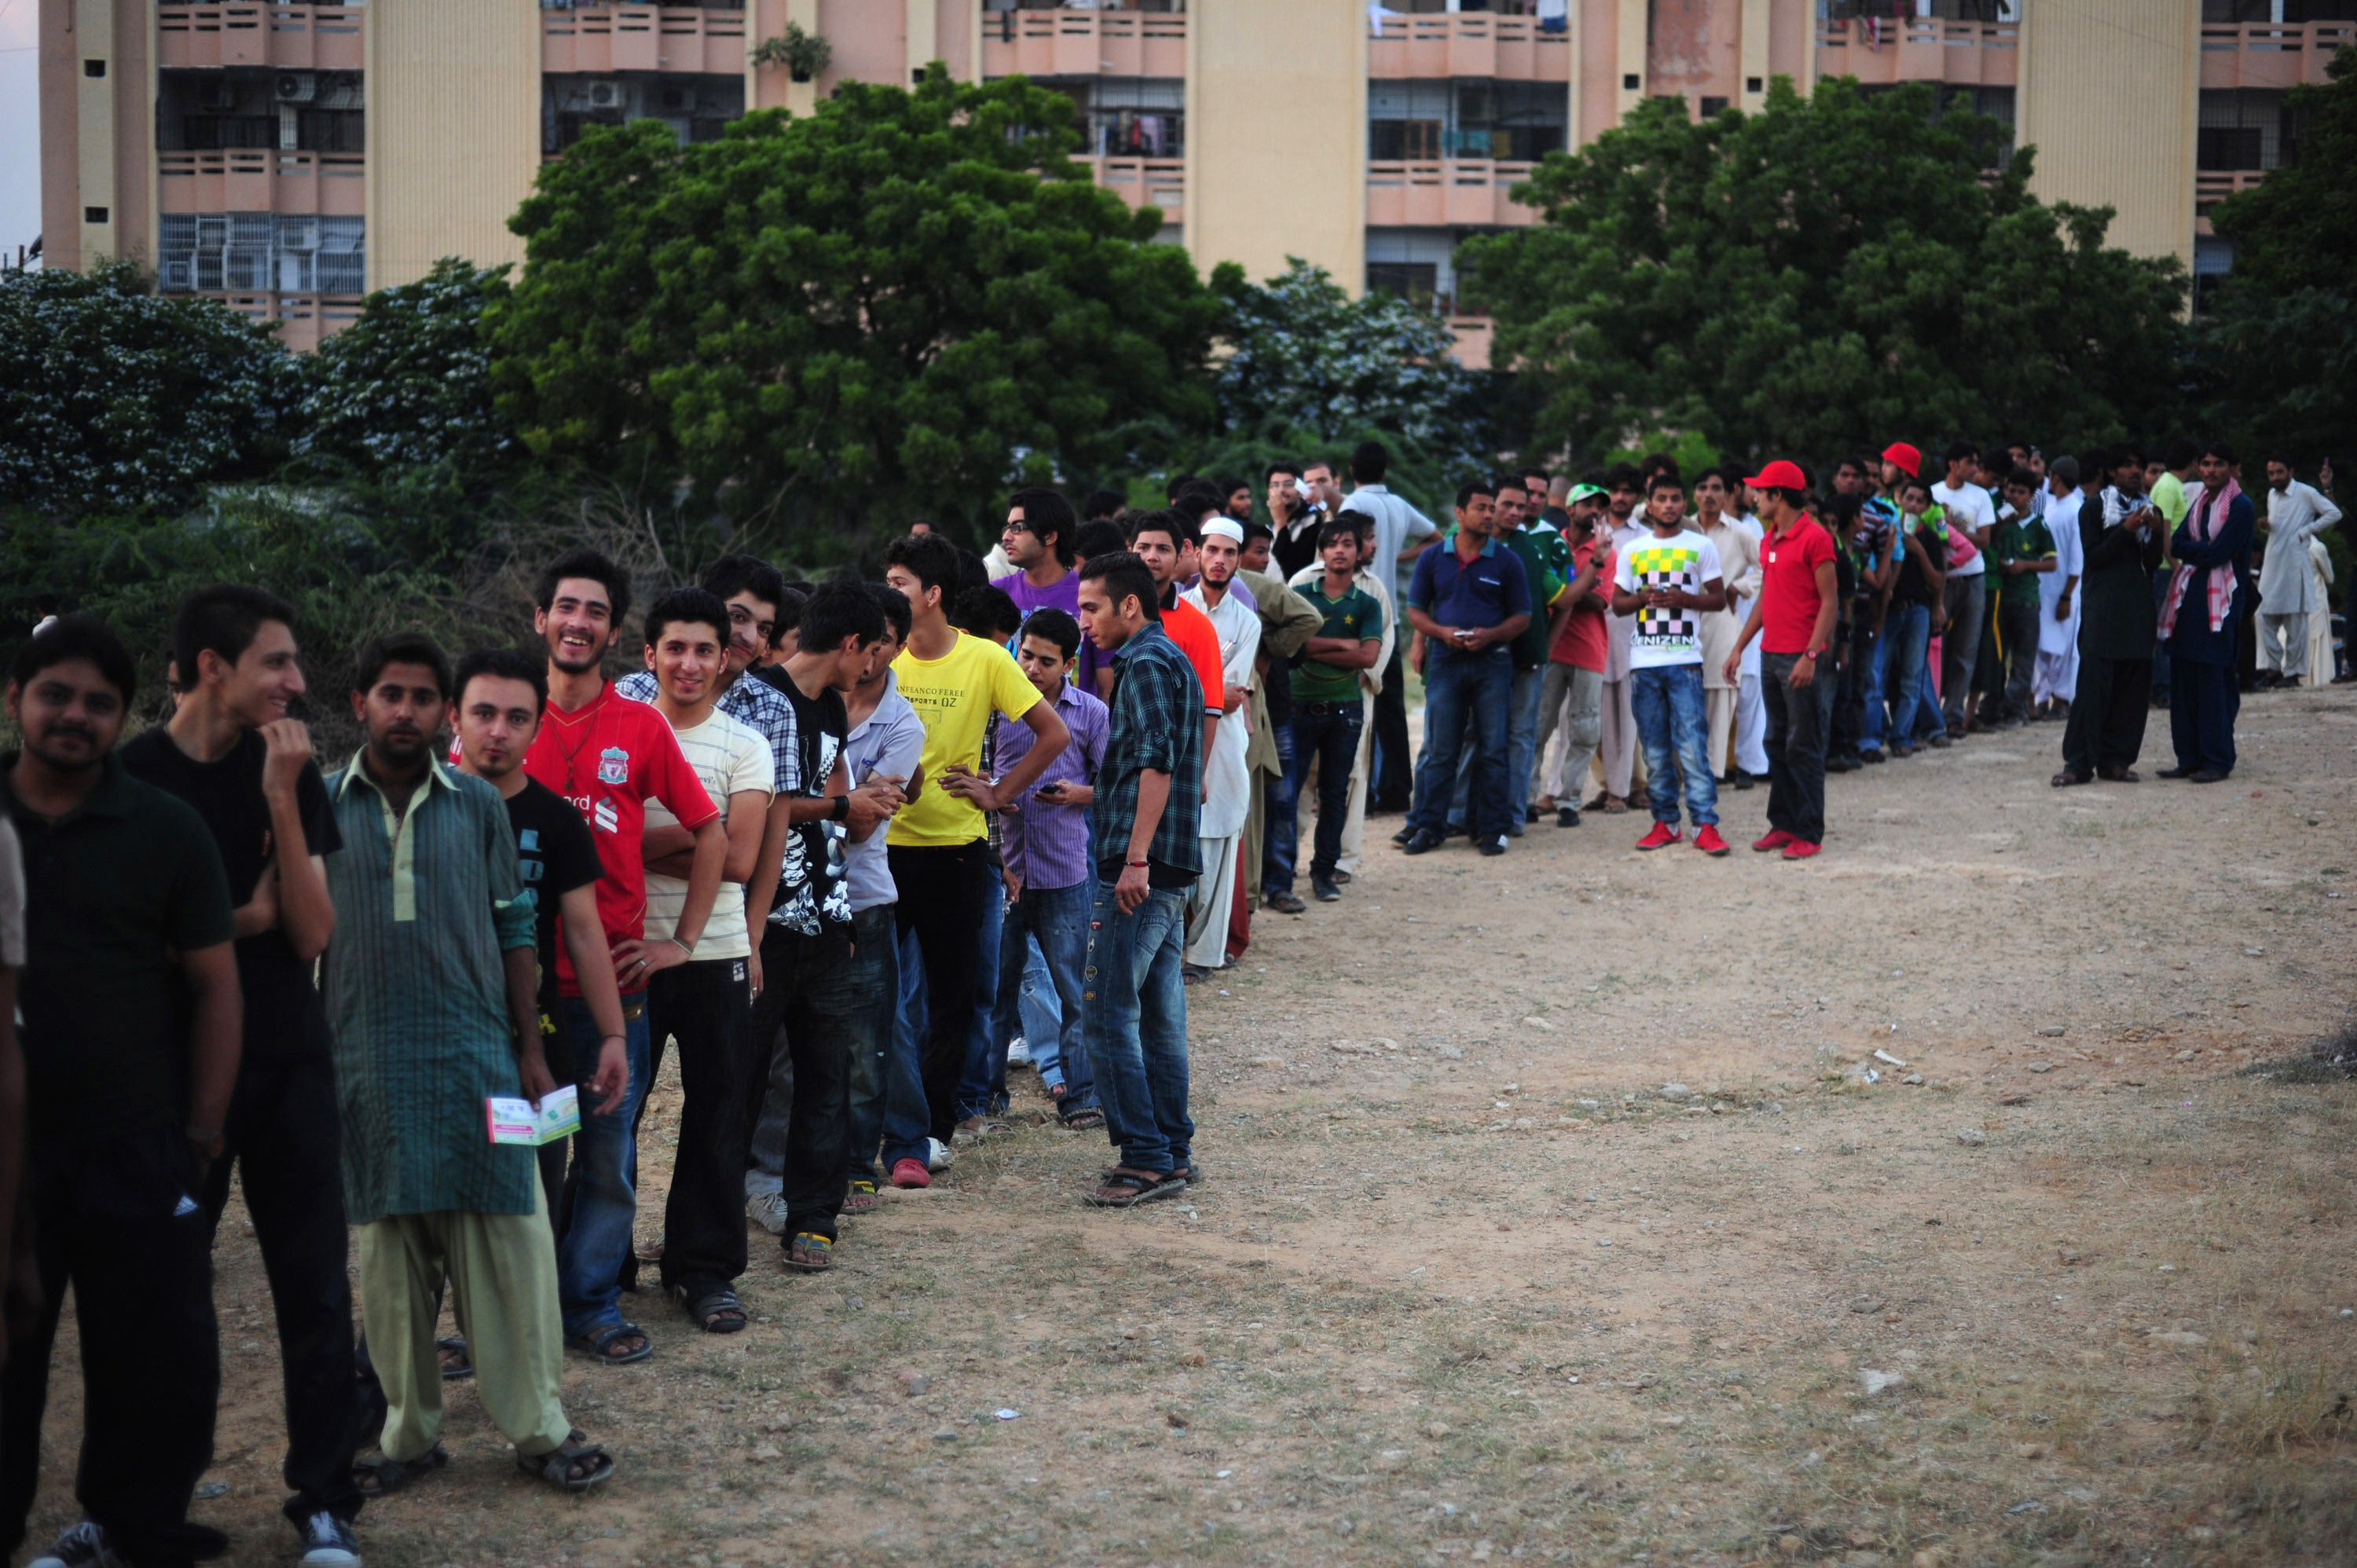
(1788, 584)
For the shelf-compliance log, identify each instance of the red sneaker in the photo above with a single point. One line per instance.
(1800, 849)
(1662, 837)
(1776, 840)
(911, 1173)
(1709, 842)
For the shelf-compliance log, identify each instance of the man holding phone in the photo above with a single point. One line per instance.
(2119, 534)
(1469, 602)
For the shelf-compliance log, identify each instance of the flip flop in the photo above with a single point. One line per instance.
(1128, 1189)
(595, 1343)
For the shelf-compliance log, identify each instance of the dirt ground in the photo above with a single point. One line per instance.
(1549, 1216)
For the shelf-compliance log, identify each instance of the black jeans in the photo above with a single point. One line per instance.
(119, 1221)
(1798, 722)
(707, 1006)
(1849, 700)
(2017, 637)
(943, 893)
(1392, 788)
(2107, 715)
(817, 1005)
(283, 1135)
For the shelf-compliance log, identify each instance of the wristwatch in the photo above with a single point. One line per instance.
(840, 811)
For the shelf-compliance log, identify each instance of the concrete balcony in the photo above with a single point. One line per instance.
(330, 184)
(1084, 43)
(288, 38)
(1144, 182)
(306, 321)
(2275, 55)
(1468, 43)
(600, 39)
(2213, 186)
(1960, 54)
(1473, 336)
(1447, 193)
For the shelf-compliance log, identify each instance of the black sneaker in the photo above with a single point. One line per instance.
(1939, 742)
(1284, 903)
(1843, 764)
(329, 1542)
(1402, 836)
(1566, 816)
(1422, 842)
(82, 1546)
(1532, 814)
(1870, 758)
(1494, 847)
(1327, 892)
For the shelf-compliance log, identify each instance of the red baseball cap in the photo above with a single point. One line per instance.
(1906, 457)
(1783, 474)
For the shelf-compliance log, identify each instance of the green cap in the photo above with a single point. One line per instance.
(1581, 492)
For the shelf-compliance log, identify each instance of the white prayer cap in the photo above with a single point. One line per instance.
(1224, 528)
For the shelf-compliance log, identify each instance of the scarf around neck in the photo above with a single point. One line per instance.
(2206, 522)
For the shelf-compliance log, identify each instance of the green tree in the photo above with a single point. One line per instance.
(1833, 269)
(114, 399)
(2281, 339)
(409, 384)
(888, 309)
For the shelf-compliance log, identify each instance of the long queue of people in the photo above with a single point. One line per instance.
(854, 850)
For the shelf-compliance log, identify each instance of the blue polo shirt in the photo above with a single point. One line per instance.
(1482, 592)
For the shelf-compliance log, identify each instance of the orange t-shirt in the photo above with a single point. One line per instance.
(1192, 630)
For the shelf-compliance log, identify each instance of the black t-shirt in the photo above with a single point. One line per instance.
(813, 900)
(282, 1005)
(555, 854)
(1914, 585)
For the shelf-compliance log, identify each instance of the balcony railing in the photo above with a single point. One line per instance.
(286, 38)
(1084, 43)
(604, 37)
(1446, 193)
(2211, 186)
(1964, 53)
(306, 321)
(2269, 54)
(1144, 182)
(332, 184)
(1468, 43)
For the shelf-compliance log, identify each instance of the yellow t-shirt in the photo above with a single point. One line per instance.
(955, 695)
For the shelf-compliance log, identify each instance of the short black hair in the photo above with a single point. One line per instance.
(791, 600)
(1912, 482)
(1962, 452)
(1177, 524)
(1056, 626)
(2223, 452)
(1193, 502)
(586, 563)
(1179, 482)
(1370, 461)
(1232, 483)
(734, 574)
(2280, 457)
(502, 664)
(897, 615)
(1507, 481)
(1124, 576)
(1472, 488)
(1664, 479)
(223, 619)
(1282, 465)
(2022, 476)
(839, 611)
(1721, 475)
(1836, 510)
(409, 648)
(1102, 536)
(1255, 529)
(1339, 526)
(1997, 459)
(694, 605)
(2179, 452)
(1046, 513)
(987, 612)
(82, 636)
(1623, 477)
(1657, 462)
(1101, 503)
(2128, 452)
(1798, 499)
(929, 558)
(1361, 522)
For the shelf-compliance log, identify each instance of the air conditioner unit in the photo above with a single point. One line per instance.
(341, 92)
(605, 94)
(297, 87)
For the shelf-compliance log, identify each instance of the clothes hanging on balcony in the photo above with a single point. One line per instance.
(1554, 16)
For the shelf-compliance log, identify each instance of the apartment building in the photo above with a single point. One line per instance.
(288, 157)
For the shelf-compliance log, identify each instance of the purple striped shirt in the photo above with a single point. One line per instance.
(1048, 846)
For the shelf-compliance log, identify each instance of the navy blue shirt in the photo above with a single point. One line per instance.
(1482, 592)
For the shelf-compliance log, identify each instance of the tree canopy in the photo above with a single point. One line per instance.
(1844, 262)
(408, 385)
(873, 313)
(115, 399)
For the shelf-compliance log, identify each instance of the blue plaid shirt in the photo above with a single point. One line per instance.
(754, 704)
(1157, 722)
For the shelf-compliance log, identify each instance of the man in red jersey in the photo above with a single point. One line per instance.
(608, 756)
(1793, 617)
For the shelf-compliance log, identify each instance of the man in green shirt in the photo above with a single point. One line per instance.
(430, 981)
(1329, 713)
(2020, 550)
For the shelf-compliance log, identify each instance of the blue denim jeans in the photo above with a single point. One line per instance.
(1038, 1012)
(1282, 836)
(1874, 714)
(1673, 726)
(982, 1085)
(1522, 748)
(1903, 655)
(601, 1189)
(1325, 734)
(875, 953)
(907, 1115)
(1135, 1003)
(1058, 919)
(1465, 703)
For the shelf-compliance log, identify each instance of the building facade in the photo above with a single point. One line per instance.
(289, 156)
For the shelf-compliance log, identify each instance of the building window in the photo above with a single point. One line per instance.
(94, 215)
(1713, 107)
(284, 111)
(1129, 116)
(1415, 282)
(1630, 83)
(1753, 84)
(260, 253)
(2243, 130)
(93, 69)
(697, 108)
(1466, 118)
(2289, 12)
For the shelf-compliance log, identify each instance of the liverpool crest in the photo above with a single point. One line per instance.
(613, 765)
